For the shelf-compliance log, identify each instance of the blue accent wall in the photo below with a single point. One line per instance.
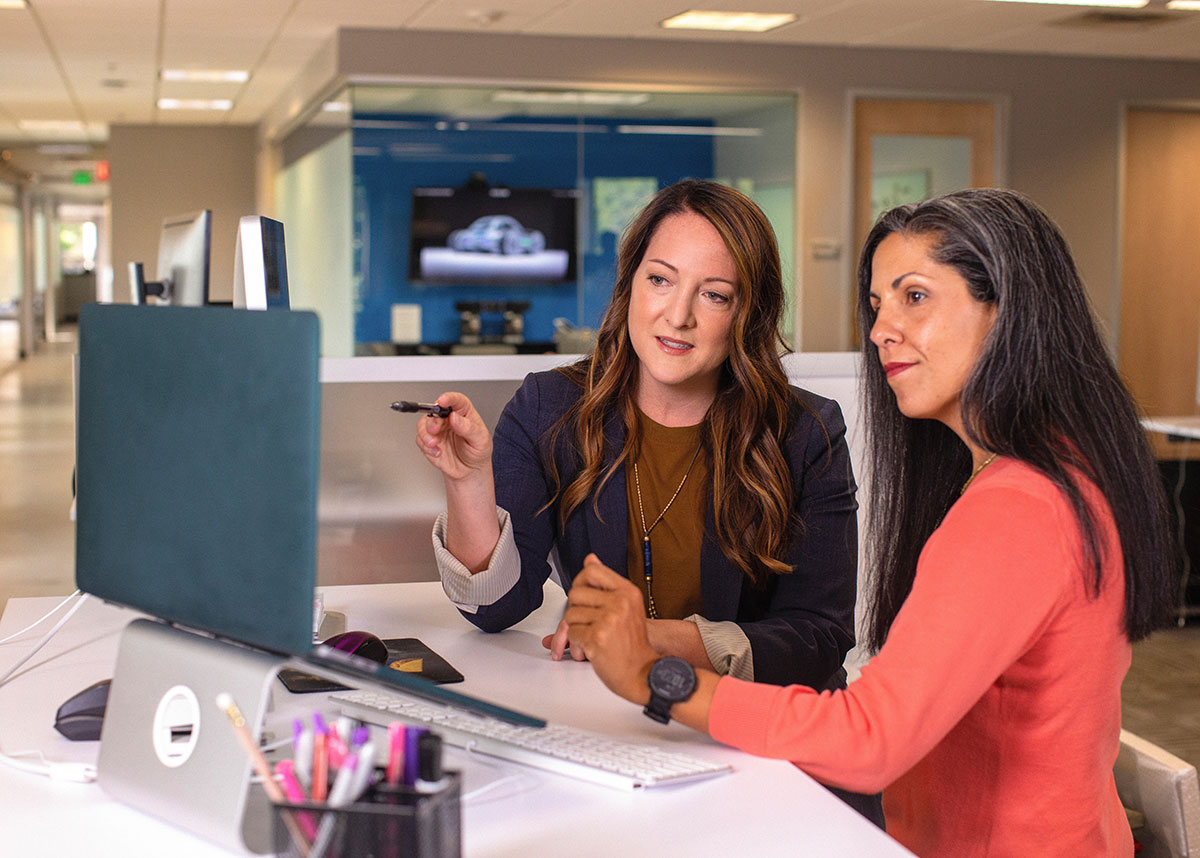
(395, 154)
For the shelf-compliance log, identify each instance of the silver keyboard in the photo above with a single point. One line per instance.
(555, 748)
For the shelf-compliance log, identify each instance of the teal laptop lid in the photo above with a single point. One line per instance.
(197, 462)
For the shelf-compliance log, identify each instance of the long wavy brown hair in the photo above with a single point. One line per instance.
(743, 432)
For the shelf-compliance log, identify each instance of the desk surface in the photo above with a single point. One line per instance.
(1183, 427)
(766, 807)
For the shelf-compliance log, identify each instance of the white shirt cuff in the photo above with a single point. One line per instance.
(727, 646)
(469, 592)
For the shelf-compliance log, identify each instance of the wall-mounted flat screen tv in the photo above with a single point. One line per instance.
(497, 235)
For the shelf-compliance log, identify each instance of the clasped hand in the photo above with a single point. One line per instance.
(606, 624)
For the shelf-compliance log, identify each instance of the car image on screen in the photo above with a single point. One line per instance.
(497, 234)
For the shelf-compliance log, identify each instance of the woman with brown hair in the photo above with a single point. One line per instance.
(677, 454)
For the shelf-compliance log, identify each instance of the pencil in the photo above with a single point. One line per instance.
(226, 704)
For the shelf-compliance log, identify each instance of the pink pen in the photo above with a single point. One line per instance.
(395, 761)
(285, 771)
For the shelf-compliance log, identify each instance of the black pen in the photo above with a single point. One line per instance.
(430, 408)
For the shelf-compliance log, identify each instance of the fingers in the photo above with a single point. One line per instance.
(558, 642)
(459, 444)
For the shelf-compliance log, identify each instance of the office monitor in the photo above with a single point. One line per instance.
(197, 469)
(182, 273)
(260, 278)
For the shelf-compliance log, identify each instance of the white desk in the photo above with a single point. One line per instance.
(765, 807)
(1180, 427)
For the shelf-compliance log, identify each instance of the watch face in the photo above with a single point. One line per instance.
(672, 678)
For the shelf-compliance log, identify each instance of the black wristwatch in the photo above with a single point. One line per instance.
(672, 680)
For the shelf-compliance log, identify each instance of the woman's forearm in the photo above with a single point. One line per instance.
(472, 528)
(680, 638)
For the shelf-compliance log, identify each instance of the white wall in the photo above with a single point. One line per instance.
(158, 171)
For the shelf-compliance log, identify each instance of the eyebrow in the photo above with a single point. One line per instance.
(664, 262)
(896, 283)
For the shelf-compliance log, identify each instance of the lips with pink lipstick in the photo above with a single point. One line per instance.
(892, 368)
(670, 345)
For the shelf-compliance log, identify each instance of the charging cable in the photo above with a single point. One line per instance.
(45, 640)
(39, 621)
(56, 771)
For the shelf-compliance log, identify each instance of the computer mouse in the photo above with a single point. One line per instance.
(360, 643)
(81, 717)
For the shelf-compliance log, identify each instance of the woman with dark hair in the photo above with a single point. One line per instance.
(1018, 544)
(677, 454)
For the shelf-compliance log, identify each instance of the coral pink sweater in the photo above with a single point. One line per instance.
(991, 717)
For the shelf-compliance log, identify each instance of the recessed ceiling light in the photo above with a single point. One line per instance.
(206, 75)
(195, 104)
(1122, 4)
(555, 97)
(1189, 5)
(12, 4)
(745, 22)
(50, 125)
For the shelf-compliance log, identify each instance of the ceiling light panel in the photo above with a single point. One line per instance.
(1184, 5)
(730, 22)
(195, 104)
(205, 75)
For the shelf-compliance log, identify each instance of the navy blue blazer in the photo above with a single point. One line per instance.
(800, 625)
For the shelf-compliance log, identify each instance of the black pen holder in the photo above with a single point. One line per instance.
(386, 822)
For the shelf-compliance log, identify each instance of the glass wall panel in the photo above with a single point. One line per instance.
(466, 202)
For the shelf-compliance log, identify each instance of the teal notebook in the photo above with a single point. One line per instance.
(197, 464)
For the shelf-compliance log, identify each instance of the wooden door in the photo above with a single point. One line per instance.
(1159, 342)
(875, 119)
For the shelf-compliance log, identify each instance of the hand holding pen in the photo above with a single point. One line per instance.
(459, 446)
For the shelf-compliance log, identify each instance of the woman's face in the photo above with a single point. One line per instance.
(681, 312)
(928, 328)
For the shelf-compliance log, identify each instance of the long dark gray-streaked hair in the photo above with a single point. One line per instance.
(1043, 391)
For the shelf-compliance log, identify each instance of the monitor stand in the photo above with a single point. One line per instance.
(168, 750)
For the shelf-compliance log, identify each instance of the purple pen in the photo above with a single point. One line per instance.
(412, 769)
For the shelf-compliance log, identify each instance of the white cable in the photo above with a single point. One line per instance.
(45, 640)
(473, 795)
(74, 772)
(57, 771)
(38, 622)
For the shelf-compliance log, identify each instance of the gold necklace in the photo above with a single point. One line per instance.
(647, 566)
(975, 473)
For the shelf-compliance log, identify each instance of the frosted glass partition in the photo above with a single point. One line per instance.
(378, 495)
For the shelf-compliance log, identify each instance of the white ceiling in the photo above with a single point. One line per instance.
(96, 62)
